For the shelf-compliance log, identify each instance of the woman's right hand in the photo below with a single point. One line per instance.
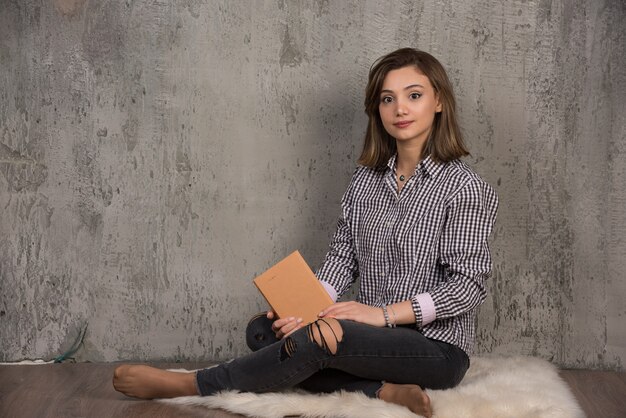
(285, 326)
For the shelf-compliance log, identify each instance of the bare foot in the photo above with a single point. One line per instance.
(411, 396)
(147, 382)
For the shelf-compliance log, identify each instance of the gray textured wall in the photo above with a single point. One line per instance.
(156, 156)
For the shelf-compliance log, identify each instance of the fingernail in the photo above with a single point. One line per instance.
(321, 314)
(299, 320)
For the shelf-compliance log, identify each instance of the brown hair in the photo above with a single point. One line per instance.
(445, 142)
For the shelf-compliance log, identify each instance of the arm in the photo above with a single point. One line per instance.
(337, 273)
(340, 267)
(464, 259)
(398, 313)
(464, 255)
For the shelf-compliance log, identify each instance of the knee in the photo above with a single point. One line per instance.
(259, 332)
(326, 333)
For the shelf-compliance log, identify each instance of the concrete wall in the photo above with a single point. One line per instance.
(156, 156)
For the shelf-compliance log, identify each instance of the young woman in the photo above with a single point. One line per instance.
(414, 228)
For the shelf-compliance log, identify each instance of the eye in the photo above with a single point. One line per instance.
(415, 95)
(386, 99)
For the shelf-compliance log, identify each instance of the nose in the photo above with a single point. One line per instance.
(401, 108)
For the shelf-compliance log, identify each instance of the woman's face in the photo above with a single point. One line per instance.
(408, 104)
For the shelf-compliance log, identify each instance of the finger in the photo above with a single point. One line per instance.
(279, 323)
(293, 330)
(270, 314)
(290, 327)
(344, 315)
(332, 308)
(336, 309)
(281, 326)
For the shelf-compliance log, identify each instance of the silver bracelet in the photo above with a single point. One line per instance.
(389, 324)
(395, 318)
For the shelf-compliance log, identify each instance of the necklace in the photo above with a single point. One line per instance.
(401, 178)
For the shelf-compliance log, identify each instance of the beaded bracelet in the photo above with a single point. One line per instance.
(393, 312)
(389, 324)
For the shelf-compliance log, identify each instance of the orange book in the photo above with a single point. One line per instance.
(291, 289)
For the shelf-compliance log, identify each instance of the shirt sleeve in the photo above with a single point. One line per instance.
(464, 255)
(340, 266)
(332, 292)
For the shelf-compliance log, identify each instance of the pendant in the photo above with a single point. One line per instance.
(401, 178)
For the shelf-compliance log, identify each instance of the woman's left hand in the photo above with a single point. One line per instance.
(355, 311)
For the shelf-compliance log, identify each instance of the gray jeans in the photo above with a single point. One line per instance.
(360, 358)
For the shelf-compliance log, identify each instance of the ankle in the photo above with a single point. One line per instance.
(409, 396)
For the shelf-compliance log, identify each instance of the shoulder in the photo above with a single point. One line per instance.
(364, 182)
(362, 172)
(467, 183)
(457, 170)
(366, 176)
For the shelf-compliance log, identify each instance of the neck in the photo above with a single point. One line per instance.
(409, 155)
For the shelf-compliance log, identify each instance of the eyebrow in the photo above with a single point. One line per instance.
(406, 88)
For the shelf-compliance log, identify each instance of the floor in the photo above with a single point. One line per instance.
(81, 390)
(85, 390)
(601, 394)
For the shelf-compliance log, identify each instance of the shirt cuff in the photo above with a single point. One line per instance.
(426, 309)
(330, 290)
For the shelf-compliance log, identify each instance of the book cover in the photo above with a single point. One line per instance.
(291, 289)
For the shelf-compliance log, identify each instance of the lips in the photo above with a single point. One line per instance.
(403, 123)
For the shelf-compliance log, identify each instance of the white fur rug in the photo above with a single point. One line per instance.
(494, 387)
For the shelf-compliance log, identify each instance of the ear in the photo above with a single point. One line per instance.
(439, 107)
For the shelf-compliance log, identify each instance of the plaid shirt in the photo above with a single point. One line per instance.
(428, 240)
